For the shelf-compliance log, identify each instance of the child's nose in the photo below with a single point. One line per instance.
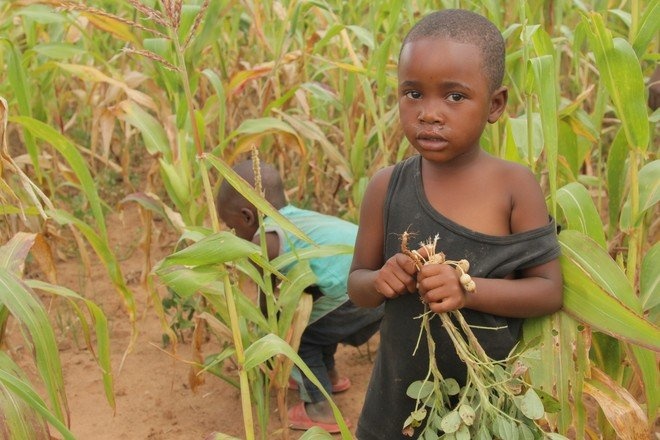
(431, 114)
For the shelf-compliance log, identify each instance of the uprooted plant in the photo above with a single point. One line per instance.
(495, 401)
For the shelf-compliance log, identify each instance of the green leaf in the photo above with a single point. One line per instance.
(24, 306)
(463, 433)
(271, 345)
(419, 389)
(545, 80)
(102, 248)
(153, 133)
(13, 381)
(75, 160)
(451, 387)
(649, 194)
(58, 51)
(580, 212)
(616, 178)
(221, 247)
(649, 278)
(550, 404)
(505, 428)
(316, 433)
(102, 331)
(531, 405)
(582, 251)
(18, 79)
(622, 74)
(525, 433)
(647, 29)
(451, 422)
(586, 297)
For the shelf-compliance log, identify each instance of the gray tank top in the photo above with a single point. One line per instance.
(407, 209)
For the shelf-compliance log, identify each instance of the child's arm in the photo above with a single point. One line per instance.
(372, 280)
(530, 292)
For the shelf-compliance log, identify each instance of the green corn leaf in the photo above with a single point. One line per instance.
(649, 195)
(299, 277)
(544, 71)
(616, 178)
(18, 78)
(189, 281)
(316, 433)
(649, 279)
(101, 329)
(153, 134)
(59, 51)
(311, 130)
(75, 160)
(221, 247)
(317, 251)
(176, 179)
(621, 72)
(219, 89)
(23, 305)
(271, 345)
(647, 29)
(582, 251)
(580, 212)
(13, 381)
(586, 297)
(102, 249)
(154, 204)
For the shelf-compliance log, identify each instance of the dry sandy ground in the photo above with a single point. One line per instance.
(153, 397)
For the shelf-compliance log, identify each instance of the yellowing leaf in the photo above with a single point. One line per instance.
(621, 409)
(112, 25)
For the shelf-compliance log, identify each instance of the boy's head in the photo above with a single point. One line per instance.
(236, 211)
(467, 27)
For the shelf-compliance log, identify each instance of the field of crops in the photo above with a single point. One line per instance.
(147, 103)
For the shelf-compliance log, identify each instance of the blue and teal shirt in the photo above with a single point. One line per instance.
(331, 272)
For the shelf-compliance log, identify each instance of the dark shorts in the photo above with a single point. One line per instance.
(347, 324)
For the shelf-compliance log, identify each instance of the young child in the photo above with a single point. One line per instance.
(484, 209)
(334, 317)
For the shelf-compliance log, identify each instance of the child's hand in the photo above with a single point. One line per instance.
(440, 288)
(396, 277)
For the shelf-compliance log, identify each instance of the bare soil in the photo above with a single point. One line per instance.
(153, 397)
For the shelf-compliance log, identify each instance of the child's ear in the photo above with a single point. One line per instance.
(248, 216)
(498, 102)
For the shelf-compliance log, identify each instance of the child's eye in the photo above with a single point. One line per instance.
(413, 94)
(455, 97)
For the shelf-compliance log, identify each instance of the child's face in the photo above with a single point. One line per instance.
(445, 98)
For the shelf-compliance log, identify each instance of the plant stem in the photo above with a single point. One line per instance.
(190, 103)
(246, 403)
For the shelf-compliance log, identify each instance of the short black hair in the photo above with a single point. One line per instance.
(464, 26)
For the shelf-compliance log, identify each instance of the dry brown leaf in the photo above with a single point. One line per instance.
(620, 408)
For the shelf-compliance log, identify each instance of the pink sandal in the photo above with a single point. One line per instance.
(298, 419)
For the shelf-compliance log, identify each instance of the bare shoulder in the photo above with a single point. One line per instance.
(528, 207)
(377, 187)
